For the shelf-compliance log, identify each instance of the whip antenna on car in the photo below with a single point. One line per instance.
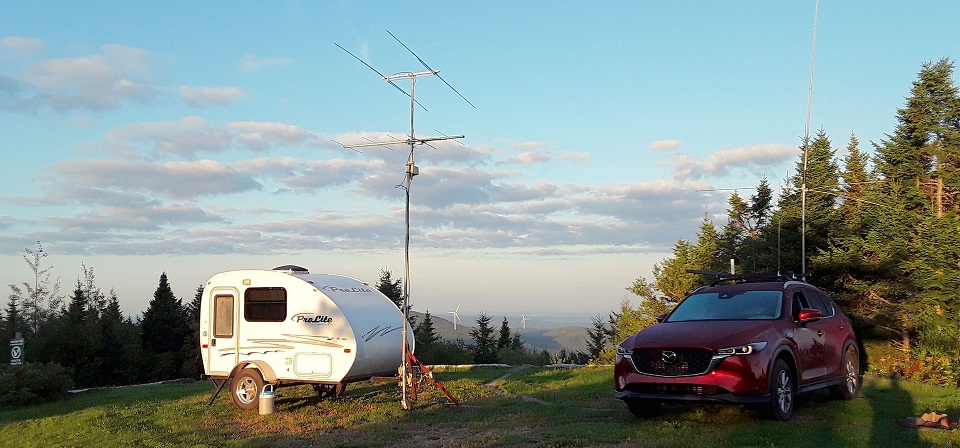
(410, 171)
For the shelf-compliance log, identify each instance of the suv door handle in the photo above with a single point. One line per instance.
(213, 342)
(820, 333)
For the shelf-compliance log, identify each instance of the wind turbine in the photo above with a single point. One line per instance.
(523, 321)
(456, 317)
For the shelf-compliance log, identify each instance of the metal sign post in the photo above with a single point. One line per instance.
(16, 350)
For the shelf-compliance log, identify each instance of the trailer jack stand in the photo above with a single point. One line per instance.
(418, 374)
(219, 388)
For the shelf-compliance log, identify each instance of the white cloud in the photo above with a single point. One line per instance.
(22, 45)
(580, 158)
(176, 180)
(310, 175)
(7, 222)
(210, 96)
(190, 136)
(665, 145)
(530, 145)
(527, 158)
(149, 218)
(131, 206)
(723, 162)
(183, 138)
(264, 135)
(96, 82)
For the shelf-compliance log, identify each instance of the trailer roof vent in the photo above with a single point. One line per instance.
(291, 269)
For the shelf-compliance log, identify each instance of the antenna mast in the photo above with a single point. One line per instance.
(806, 147)
(410, 171)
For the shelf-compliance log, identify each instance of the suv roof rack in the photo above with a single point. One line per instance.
(720, 277)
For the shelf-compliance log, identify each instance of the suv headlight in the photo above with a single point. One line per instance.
(621, 351)
(745, 349)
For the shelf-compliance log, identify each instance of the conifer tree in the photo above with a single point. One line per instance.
(671, 276)
(925, 139)
(855, 185)
(164, 327)
(13, 322)
(424, 333)
(821, 180)
(77, 308)
(122, 346)
(111, 312)
(485, 346)
(743, 237)
(505, 336)
(192, 363)
(596, 338)
(391, 288)
(903, 263)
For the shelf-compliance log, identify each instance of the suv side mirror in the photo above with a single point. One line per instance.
(808, 315)
(662, 318)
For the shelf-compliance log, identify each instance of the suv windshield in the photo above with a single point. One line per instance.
(741, 305)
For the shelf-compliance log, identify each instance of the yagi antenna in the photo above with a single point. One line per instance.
(385, 78)
(411, 170)
(437, 72)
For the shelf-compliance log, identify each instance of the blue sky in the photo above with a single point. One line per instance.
(140, 138)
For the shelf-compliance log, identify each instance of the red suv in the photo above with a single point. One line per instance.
(753, 341)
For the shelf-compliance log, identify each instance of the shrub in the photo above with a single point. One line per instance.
(444, 352)
(918, 366)
(33, 383)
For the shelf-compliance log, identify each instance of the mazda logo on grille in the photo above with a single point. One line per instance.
(668, 357)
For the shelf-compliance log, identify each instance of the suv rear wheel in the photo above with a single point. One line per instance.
(851, 375)
(782, 391)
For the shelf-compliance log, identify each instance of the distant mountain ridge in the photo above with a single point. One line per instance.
(539, 335)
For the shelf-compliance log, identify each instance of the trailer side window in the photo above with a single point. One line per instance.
(223, 317)
(265, 304)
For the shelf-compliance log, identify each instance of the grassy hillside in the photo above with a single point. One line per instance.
(541, 407)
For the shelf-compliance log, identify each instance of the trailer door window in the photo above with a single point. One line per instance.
(223, 317)
(265, 304)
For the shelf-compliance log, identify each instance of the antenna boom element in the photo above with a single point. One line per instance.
(409, 141)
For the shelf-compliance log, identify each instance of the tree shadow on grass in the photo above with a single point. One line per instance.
(890, 403)
(101, 397)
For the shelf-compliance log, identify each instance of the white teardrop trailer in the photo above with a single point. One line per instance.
(287, 327)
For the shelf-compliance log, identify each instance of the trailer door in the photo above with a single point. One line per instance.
(223, 350)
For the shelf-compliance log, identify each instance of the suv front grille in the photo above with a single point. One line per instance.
(676, 389)
(672, 361)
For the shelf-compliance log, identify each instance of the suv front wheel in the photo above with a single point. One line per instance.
(782, 391)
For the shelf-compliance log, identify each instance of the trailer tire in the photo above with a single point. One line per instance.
(245, 389)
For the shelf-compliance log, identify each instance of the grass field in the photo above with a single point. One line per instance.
(539, 407)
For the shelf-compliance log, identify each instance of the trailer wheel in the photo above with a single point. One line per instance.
(330, 391)
(246, 387)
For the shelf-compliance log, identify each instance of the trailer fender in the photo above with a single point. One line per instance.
(265, 370)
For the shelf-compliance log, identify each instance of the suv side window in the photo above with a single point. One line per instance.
(831, 309)
(816, 302)
(799, 302)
